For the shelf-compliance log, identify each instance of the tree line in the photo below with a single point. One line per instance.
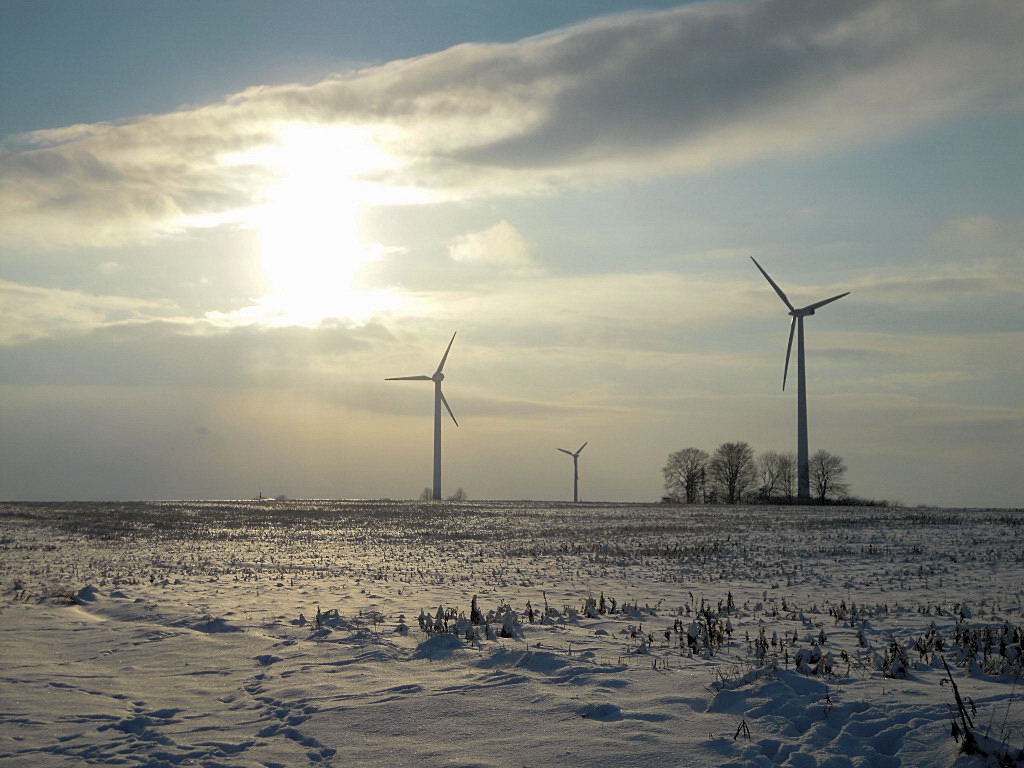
(733, 474)
(428, 495)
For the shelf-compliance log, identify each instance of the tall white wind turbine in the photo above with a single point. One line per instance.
(575, 470)
(439, 398)
(803, 482)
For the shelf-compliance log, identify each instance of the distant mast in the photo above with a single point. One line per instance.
(439, 400)
(575, 471)
(803, 472)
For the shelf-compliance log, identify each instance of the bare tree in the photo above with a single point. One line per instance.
(459, 495)
(787, 474)
(684, 474)
(733, 470)
(827, 471)
(778, 470)
(767, 465)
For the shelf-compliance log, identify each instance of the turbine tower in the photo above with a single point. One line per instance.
(439, 398)
(803, 483)
(575, 470)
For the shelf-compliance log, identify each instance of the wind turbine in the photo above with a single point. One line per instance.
(575, 470)
(803, 482)
(439, 398)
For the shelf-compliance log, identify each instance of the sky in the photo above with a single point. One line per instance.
(223, 225)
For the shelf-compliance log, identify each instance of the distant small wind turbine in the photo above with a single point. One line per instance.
(803, 483)
(575, 470)
(437, 378)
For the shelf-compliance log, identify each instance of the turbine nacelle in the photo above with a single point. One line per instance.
(575, 453)
(437, 377)
(795, 313)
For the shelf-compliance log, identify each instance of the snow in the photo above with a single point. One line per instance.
(286, 634)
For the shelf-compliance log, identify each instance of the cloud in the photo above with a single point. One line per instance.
(500, 246)
(717, 84)
(623, 97)
(854, 355)
(30, 312)
(993, 244)
(190, 354)
(938, 288)
(594, 310)
(955, 366)
(972, 259)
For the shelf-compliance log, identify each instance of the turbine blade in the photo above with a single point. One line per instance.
(409, 378)
(789, 347)
(568, 453)
(580, 449)
(440, 366)
(826, 301)
(785, 299)
(448, 407)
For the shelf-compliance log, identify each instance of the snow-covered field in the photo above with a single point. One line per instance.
(172, 634)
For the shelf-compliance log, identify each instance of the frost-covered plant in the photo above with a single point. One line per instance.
(433, 623)
(475, 617)
(761, 646)
(510, 625)
(895, 662)
(813, 660)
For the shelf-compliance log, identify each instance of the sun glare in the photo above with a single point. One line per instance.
(313, 252)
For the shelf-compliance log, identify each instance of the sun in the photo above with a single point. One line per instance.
(312, 247)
